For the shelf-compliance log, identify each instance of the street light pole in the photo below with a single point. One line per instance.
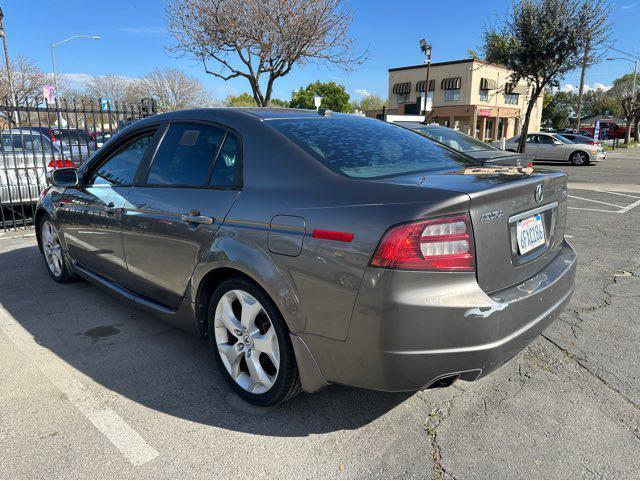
(53, 58)
(7, 61)
(426, 49)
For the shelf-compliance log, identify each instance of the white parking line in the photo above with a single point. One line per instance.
(596, 201)
(110, 424)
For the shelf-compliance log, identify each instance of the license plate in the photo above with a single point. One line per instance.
(530, 233)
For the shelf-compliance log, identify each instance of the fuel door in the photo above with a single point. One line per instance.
(286, 234)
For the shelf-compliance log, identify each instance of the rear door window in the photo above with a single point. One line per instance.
(186, 154)
(367, 148)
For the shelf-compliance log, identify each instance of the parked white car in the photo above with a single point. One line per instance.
(554, 147)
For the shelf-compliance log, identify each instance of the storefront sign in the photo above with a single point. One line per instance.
(485, 112)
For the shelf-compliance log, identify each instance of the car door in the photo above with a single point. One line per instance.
(181, 201)
(90, 215)
(546, 149)
(532, 145)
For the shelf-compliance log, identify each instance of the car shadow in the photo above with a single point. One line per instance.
(156, 365)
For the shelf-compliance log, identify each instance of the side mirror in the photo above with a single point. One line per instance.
(65, 177)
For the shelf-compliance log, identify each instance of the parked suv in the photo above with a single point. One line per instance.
(313, 248)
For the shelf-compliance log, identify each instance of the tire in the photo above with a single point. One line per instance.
(254, 354)
(579, 158)
(52, 253)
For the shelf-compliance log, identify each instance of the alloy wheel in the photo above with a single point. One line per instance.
(247, 341)
(51, 248)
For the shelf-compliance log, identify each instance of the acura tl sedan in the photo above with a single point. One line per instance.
(555, 147)
(313, 248)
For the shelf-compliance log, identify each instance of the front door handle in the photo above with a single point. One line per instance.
(194, 217)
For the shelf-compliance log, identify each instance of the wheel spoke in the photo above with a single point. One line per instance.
(231, 358)
(267, 343)
(250, 310)
(227, 317)
(256, 371)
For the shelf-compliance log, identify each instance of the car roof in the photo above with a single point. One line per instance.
(263, 113)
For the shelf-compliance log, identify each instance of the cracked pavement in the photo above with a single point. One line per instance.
(568, 406)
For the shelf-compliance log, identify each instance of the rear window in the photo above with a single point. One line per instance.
(454, 139)
(366, 148)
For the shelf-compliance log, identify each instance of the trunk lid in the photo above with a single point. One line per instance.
(500, 197)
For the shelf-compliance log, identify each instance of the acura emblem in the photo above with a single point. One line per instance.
(538, 196)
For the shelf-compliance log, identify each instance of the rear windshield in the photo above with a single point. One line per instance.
(454, 139)
(367, 148)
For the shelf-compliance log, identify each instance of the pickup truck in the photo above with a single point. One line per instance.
(614, 131)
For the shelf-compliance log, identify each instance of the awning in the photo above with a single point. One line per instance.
(452, 83)
(421, 83)
(488, 84)
(402, 88)
(515, 89)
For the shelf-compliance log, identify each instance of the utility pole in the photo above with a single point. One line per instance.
(585, 61)
(7, 62)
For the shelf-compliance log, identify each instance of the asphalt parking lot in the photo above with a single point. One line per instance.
(91, 388)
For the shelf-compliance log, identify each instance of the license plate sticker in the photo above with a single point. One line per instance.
(530, 233)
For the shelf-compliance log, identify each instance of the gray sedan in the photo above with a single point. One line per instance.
(313, 248)
(555, 147)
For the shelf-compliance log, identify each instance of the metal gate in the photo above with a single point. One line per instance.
(38, 137)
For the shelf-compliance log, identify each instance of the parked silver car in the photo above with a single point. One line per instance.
(25, 159)
(555, 147)
(316, 248)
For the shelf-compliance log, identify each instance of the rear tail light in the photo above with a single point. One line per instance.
(60, 163)
(53, 138)
(443, 244)
(530, 164)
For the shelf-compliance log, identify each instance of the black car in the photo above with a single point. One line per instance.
(480, 151)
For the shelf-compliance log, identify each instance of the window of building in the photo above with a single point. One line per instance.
(186, 155)
(484, 95)
(511, 99)
(403, 98)
(451, 95)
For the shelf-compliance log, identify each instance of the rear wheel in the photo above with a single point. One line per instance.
(251, 343)
(52, 252)
(579, 158)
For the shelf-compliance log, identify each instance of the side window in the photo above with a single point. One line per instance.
(120, 169)
(532, 139)
(185, 155)
(545, 139)
(226, 169)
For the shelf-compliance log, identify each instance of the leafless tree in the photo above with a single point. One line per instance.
(262, 40)
(173, 89)
(28, 80)
(116, 88)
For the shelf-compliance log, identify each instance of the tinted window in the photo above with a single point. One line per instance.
(226, 169)
(367, 148)
(545, 139)
(186, 154)
(121, 168)
(454, 139)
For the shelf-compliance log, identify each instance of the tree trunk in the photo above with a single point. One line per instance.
(627, 134)
(636, 134)
(525, 125)
(585, 60)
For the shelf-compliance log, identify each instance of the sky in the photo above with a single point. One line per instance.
(134, 40)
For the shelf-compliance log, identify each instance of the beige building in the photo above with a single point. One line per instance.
(470, 95)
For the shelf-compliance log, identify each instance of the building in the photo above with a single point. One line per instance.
(471, 95)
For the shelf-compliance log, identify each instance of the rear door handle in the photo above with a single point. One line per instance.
(194, 217)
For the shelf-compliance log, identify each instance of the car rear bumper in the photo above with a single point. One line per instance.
(410, 329)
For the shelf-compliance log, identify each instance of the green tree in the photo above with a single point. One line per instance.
(542, 40)
(242, 100)
(334, 97)
(623, 92)
(558, 108)
(600, 102)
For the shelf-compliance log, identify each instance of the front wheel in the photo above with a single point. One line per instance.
(251, 343)
(579, 158)
(52, 252)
